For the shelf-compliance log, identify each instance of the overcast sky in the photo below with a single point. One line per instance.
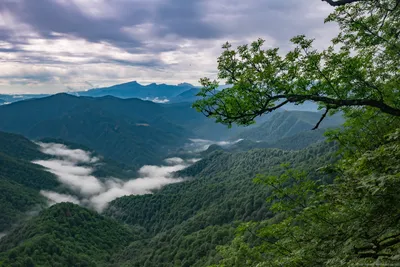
(64, 45)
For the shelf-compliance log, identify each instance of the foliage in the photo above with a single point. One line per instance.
(15, 201)
(19, 147)
(288, 124)
(107, 168)
(65, 235)
(187, 221)
(20, 180)
(129, 131)
(316, 214)
(354, 220)
(359, 69)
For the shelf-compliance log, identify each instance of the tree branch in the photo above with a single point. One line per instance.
(331, 103)
(340, 2)
(322, 118)
(336, 103)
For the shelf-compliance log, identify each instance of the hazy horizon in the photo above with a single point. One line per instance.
(51, 46)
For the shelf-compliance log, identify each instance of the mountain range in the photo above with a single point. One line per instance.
(159, 93)
(120, 128)
(136, 90)
(285, 124)
(148, 184)
(179, 225)
(117, 128)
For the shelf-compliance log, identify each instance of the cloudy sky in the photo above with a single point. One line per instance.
(65, 45)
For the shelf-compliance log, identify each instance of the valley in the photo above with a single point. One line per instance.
(154, 173)
(199, 133)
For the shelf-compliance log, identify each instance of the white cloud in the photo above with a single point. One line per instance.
(78, 178)
(138, 186)
(199, 145)
(173, 161)
(55, 198)
(90, 190)
(160, 171)
(193, 160)
(157, 100)
(74, 155)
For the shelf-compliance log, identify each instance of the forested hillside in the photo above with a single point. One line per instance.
(20, 180)
(111, 126)
(135, 90)
(65, 235)
(297, 141)
(186, 96)
(287, 124)
(353, 221)
(136, 132)
(285, 195)
(130, 131)
(188, 220)
(197, 215)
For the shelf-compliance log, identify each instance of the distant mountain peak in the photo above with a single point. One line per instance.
(133, 83)
(62, 96)
(186, 85)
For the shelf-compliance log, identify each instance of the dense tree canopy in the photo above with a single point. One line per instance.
(321, 209)
(359, 69)
(65, 235)
(354, 220)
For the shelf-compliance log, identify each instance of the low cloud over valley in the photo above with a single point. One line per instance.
(74, 168)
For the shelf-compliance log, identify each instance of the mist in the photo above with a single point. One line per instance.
(157, 100)
(74, 169)
(199, 145)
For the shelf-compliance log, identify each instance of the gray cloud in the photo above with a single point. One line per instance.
(50, 16)
(203, 19)
(111, 41)
(180, 17)
(185, 19)
(95, 192)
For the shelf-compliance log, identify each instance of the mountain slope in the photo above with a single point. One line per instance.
(136, 90)
(64, 235)
(179, 225)
(288, 123)
(20, 180)
(297, 141)
(106, 168)
(188, 220)
(17, 146)
(186, 96)
(129, 130)
(15, 98)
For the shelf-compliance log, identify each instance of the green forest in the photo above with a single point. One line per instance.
(302, 188)
(355, 219)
